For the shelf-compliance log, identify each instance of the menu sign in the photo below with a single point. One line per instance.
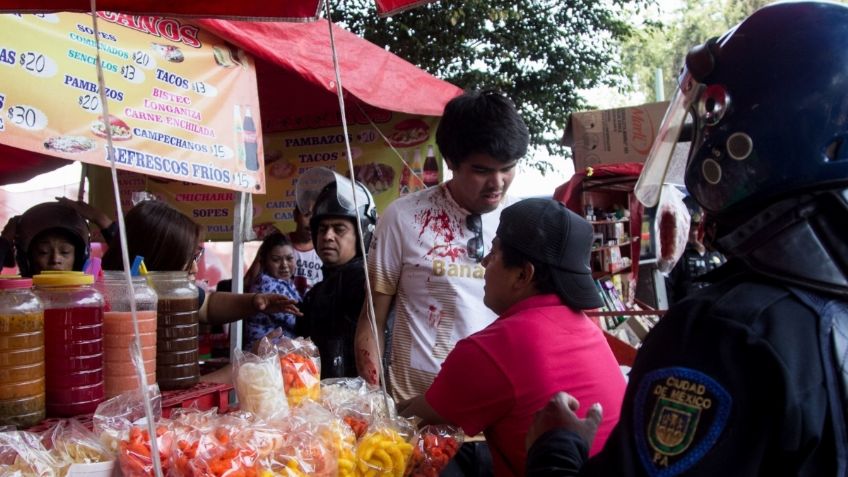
(413, 164)
(182, 103)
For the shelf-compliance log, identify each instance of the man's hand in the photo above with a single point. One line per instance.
(274, 303)
(87, 212)
(420, 408)
(8, 234)
(11, 227)
(560, 412)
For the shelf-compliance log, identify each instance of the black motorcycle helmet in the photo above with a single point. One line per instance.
(335, 202)
(51, 217)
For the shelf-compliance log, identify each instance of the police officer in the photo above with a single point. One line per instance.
(331, 308)
(697, 260)
(749, 377)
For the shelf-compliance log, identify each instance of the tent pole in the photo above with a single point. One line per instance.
(240, 208)
(81, 188)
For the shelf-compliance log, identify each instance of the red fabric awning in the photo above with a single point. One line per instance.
(297, 82)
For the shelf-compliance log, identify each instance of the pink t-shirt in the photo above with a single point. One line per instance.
(495, 380)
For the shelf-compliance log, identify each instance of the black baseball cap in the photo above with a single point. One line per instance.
(546, 231)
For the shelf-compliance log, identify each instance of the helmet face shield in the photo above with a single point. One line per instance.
(661, 157)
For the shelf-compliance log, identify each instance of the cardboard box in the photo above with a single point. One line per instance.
(613, 136)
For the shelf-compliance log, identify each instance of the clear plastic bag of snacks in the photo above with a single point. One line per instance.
(114, 417)
(221, 450)
(350, 400)
(259, 382)
(433, 447)
(72, 443)
(309, 445)
(385, 451)
(23, 455)
(135, 452)
(301, 365)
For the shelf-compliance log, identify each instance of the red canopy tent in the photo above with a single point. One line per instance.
(296, 83)
(277, 10)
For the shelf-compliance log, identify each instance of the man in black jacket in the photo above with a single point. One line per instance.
(331, 308)
(750, 375)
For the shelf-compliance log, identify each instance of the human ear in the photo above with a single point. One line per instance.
(525, 275)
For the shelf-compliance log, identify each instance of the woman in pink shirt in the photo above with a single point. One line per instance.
(538, 280)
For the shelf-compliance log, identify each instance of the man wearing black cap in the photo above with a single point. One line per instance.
(537, 280)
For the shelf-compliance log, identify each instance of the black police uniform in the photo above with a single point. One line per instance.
(684, 279)
(330, 312)
(735, 380)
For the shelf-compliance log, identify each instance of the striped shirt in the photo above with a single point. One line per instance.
(418, 254)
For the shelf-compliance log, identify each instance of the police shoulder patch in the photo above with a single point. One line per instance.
(679, 415)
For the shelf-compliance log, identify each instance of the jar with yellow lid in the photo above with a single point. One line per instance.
(73, 338)
(21, 353)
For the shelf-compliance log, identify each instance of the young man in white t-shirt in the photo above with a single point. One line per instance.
(425, 255)
(308, 263)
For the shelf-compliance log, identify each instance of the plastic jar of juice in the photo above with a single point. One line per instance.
(73, 340)
(21, 354)
(177, 330)
(119, 373)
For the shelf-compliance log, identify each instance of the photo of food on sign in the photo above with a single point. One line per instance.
(169, 52)
(70, 144)
(376, 177)
(228, 56)
(408, 133)
(120, 129)
(277, 167)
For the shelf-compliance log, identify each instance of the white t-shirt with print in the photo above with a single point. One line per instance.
(418, 254)
(307, 271)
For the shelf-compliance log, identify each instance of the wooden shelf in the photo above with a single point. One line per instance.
(620, 244)
(596, 275)
(626, 313)
(607, 222)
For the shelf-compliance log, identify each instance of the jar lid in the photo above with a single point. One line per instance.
(53, 278)
(8, 282)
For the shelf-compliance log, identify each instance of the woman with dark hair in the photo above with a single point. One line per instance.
(271, 272)
(170, 241)
(163, 236)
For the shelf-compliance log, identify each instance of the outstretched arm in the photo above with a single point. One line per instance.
(369, 343)
(225, 307)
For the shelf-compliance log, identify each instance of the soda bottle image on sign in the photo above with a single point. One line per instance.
(251, 151)
(431, 168)
(416, 178)
(403, 184)
(239, 136)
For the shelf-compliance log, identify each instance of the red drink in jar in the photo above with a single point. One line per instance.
(73, 341)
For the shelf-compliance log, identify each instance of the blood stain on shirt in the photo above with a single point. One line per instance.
(440, 224)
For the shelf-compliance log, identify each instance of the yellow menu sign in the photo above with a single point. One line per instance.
(183, 104)
(413, 162)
